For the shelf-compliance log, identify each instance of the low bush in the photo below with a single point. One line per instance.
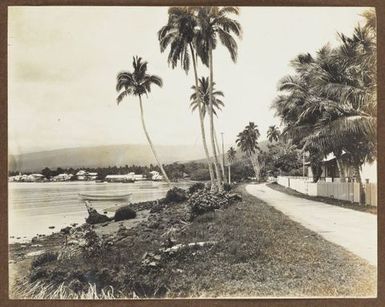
(196, 187)
(227, 187)
(204, 201)
(94, 244)
(38, 274)
(44, 258)
(124, 213)
(176, 195)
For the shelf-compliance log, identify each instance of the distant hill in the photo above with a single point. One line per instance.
(102, 156)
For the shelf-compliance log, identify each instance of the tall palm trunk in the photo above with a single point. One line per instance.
(229, 167)
(341, 169)
(356, 167)
(255, 164)
(149, 141)
(211, 113)
(201, 118)
(221, 160)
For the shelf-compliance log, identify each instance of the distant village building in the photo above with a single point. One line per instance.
(62, 177)
(139, 177)
(120, 178)
(92, 176)
(27, 178)
(83, 175)
(155, 176)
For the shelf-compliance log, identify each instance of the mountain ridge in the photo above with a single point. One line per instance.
(102, 156)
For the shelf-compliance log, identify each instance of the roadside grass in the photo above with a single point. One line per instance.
(259, 252)
(326, 200)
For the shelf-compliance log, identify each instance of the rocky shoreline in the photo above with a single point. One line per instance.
(157, 221)
(198, 245)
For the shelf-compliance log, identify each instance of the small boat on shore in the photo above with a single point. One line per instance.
(96, 197)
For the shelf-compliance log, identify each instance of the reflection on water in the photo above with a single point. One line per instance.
(33, 207)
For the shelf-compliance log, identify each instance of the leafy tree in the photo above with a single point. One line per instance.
(47, 173)
(329, 105)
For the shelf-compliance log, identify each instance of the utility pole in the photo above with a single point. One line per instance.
(223, 155)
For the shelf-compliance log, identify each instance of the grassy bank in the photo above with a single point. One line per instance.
(248, 249)
(326, 200)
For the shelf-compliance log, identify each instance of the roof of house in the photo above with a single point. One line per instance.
(117, 176)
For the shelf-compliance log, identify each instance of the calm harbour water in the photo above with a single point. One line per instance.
(34, 207)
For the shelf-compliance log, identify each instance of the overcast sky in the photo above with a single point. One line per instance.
(63, 63)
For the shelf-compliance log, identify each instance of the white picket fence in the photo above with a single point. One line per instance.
(349, 191)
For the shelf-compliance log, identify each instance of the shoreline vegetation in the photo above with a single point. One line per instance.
(189, 244)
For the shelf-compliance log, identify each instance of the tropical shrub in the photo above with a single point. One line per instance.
(44, 258)
(204, 201)
(176, 195)
(196, 187)
(94, 245)
(38, 274)
(124, 213)
(227, 187)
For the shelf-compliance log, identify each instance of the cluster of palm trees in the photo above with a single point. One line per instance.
(329, 104)
(190, 35)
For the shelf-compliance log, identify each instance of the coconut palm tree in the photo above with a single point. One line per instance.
(247, 141)
(214, 23)
(203, 100)
(331, 101)
(273, 133)
(138, 83)
(204, 95)
(350, 122)
(230, 159)
(303, 107)
(179, 35)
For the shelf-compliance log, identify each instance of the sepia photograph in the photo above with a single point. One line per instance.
(192, 152)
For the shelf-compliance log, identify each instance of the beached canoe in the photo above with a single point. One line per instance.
(96, 197)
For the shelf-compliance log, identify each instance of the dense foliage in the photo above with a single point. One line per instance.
(202, 202)
(176, 195)
(124, 213)
(44, 258)
(196, 187)
(329, 104)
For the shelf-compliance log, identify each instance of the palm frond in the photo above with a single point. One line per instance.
(230, 25)
(124, 79)
(122, 95)
(290, 83)
(343, 130)
(229, 10)
(229, 42)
